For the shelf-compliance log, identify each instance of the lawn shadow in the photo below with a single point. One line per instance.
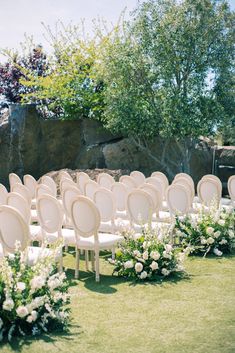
(54, 338)
(174, 279)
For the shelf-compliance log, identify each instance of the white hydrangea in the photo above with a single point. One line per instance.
(143, 275)
(155, 255)
(165, 272)
(128, 264)
(8, 304)
(138, 267)
(22, 311)
(154, 265)
(37, 282)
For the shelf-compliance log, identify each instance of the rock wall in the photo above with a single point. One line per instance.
(29, 144)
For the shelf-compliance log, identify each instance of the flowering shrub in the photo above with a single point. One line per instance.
(212, 232)
(147, 257)
(32, 299)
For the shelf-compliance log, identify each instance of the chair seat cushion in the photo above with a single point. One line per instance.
(106, 241)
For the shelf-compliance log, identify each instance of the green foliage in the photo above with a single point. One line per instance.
(164, 70)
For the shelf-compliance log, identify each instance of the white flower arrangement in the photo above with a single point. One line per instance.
(211, 232)
(33, 299)
(147, 257)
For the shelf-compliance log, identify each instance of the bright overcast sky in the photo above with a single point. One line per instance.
(25, 16)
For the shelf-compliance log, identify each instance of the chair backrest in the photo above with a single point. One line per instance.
(138, 176)
(161, 176)
(120, 193)
(13, 179)
(140, 207)
(185, 182)
(90, 188)
(208, 191)
(31, 183)
(185, 175)
(63, 174)
(215, 179)
(128, 181)
(178, 199)
(68, 195)
(85, 217)
(105, 180)
(50, 213)
(82, 178)
(43, 189)
(3, 194)
(105, 203)
(231, 187)
(18, 202)
(155, 195)
(23, 191)
(46, 180)
(158, 184)
(12, 228)
(65, 183)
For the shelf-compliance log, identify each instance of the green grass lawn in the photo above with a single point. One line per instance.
(194, 314)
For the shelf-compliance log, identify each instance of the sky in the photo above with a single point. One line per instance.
(18, 17)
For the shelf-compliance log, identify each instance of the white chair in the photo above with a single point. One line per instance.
(105, 180)
(14, 228)
(23, 191)
(82, 178)
(68, 194)
(186, 176)
(90, 188)
(65, 183)
(187, 184)
(231, 187)
(155, 195)
(138, 176)
(86, 222)
(209, 191)
(120, 193)
(159, 186)
(161, 176)
(46, 180)
(128, 181)
(13, 179)
(31, 183)
(104, 200)
(63, 174)
(3, 194)
(42, 189)
(140, 208)
(20, 203)
(178, 200)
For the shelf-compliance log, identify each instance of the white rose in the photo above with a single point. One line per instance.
(128, 264)
(209, 230)
(145, 255)
(137, 253)
(138, 267)
(22, 311)
(203, 241)
(155, 255)
(37, 282)
(8, 304)
(221, 222)
(143, 275)
(217, 234)
(223, 241)
(231, 234)
(217, 252)
(168, 247)
(11, 256)
(166, 255)
(165, 272)
(154, 265)
(20, 286)
(210, 240)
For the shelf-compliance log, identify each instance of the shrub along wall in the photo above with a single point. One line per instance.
(29, 144)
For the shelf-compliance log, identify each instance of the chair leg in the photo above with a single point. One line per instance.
(87, 259)
(77, 263)
(92, 260)
(97, 265)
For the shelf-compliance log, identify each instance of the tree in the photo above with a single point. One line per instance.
(164, 71)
